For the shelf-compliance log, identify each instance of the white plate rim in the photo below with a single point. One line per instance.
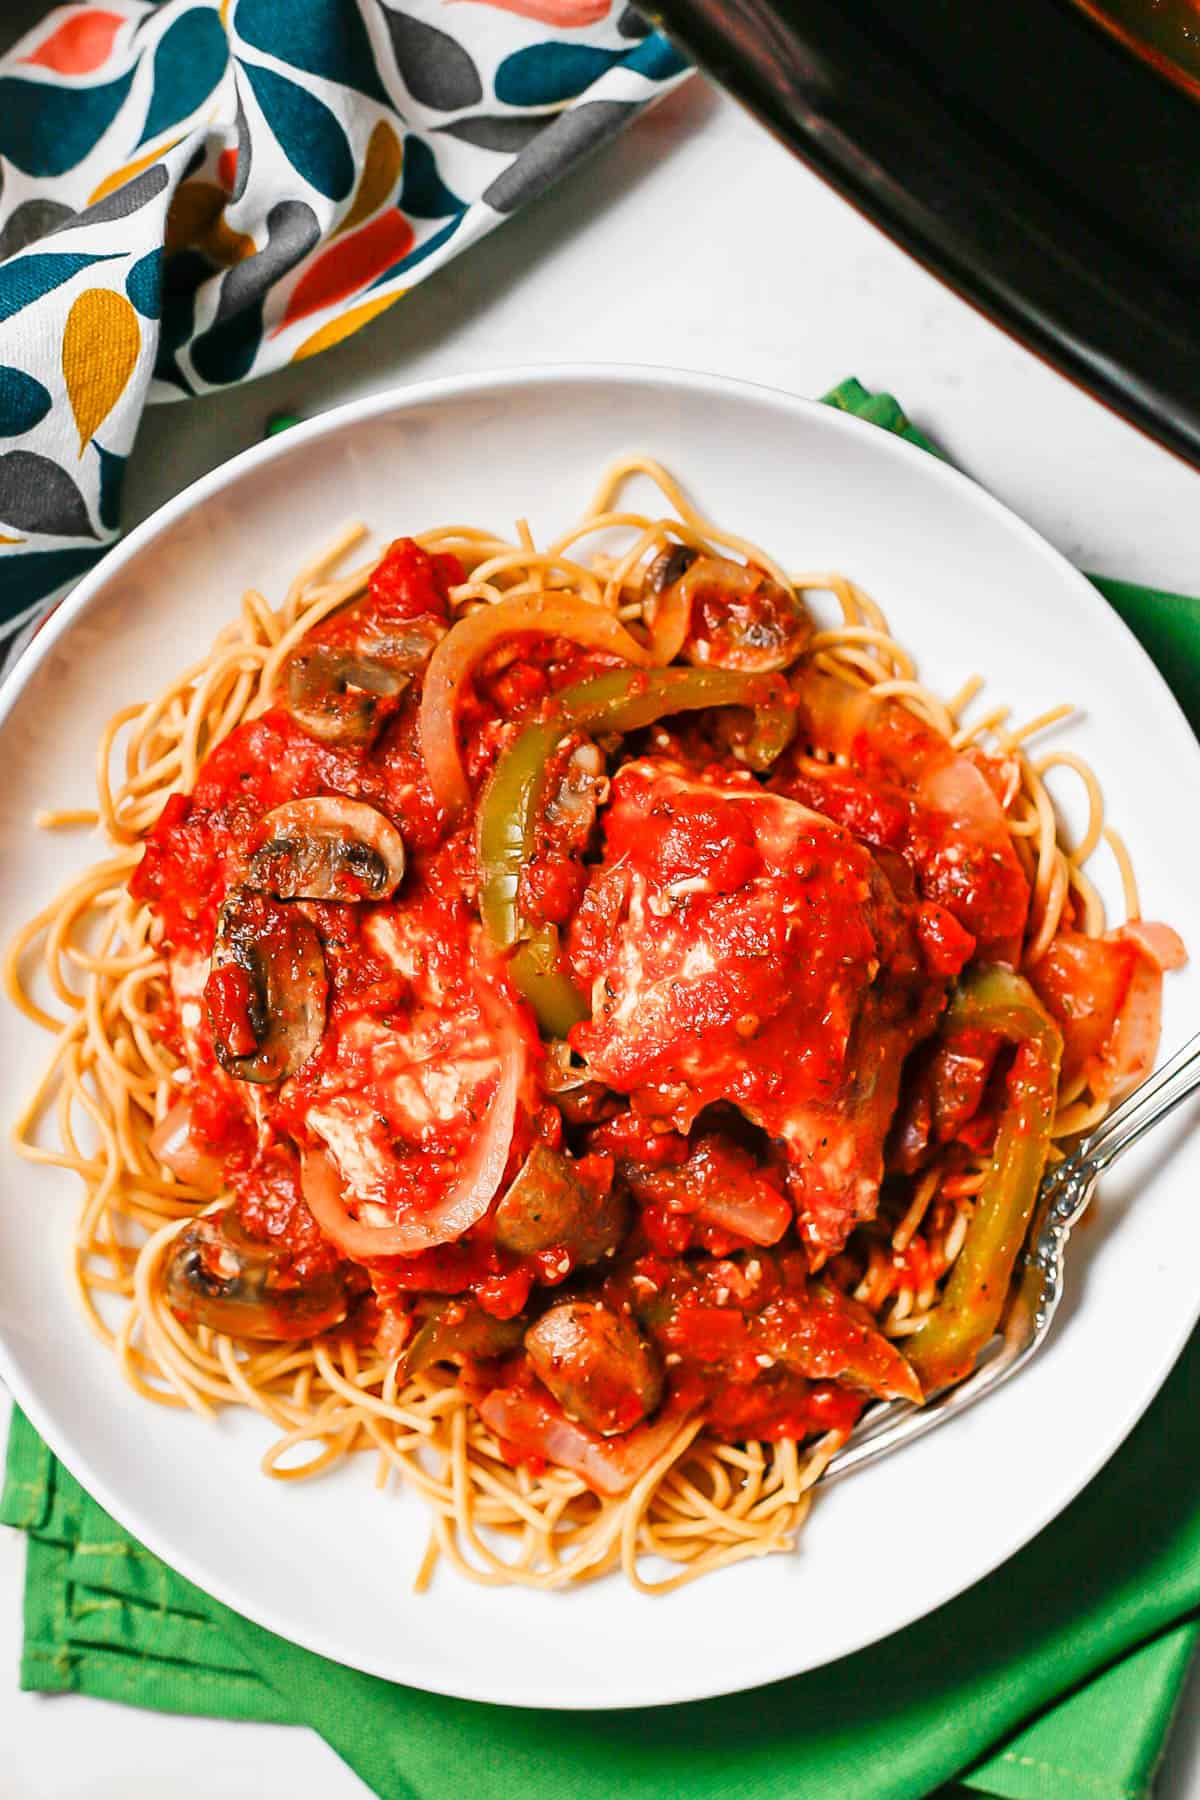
(480, 383)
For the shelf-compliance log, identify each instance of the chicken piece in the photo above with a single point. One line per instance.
(741, 947)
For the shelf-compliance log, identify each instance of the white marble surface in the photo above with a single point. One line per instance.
(696, 241)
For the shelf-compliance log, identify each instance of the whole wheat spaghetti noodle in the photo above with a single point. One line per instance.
(91, 970)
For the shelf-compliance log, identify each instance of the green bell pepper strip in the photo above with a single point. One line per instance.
(557, 1003)
(508, 819)
(973, 1299)
(624, 700)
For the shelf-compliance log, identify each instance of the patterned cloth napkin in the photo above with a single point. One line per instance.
(193, 193)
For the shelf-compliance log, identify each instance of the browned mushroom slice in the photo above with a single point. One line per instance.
(668, 567)
(406, 647)
(328, 848)
(548, 1205)
(266, 991)
(338, 692)
(597, 1365)
(455, 1329)
(217, 1275)
(737, 617)
(335, 693)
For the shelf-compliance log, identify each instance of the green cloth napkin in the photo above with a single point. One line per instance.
(1061, 1670)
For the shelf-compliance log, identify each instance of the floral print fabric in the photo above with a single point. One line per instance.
(195, 192)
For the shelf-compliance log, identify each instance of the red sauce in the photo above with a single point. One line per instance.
(761, 959)
(907, 792)
(736, 944)
(409, 584)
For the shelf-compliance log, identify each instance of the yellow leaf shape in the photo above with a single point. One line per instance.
(346, 325)
(381, 170)
(101, 341)
(5, 539)
(196, 221)
(119, 177)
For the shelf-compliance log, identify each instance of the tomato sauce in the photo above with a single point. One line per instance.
(763, 966)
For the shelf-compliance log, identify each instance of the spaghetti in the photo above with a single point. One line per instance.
(710, 1484)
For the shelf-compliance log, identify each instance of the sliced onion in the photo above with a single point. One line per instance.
(538, 1427)
(944, 779)
(763, 1217)
(1160, 944)
(465, 1203)
(1129, 1054)
(668, 617)
(547, 615)
(175, 1145)
(955, 786)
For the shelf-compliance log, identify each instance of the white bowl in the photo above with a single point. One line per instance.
(968, 587)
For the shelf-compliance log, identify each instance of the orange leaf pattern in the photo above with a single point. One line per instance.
(81, 43)
(349, 265)
(99, 353)
(344, 325)
(377, 183)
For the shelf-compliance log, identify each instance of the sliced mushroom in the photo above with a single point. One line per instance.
(334, 693)
(548, 1205)
(737, 616)
(668, 567)
(578, 794)
(328, 848)
(217, 1275)
(458, 1329)
(337, 692)
(176, 1144)
(580, 1098)
(597, 1365)
(267, 990)
(406, 647)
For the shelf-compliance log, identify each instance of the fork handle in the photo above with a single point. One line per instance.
(1155, 1099)
(1065, 1194)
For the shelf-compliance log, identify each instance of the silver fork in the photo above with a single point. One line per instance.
(1062, 1200)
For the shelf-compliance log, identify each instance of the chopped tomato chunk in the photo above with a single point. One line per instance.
(228, 995)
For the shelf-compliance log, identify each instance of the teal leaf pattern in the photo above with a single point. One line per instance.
(323, 37)
(306, 131)
(226, 350)
(143, 284)
(188, 63)
(38, 574)
(27, 278)
(112, 471)
(46, 130)
(38, 495)
(24, 402)
(657, 59)
(547, 74)
(184, 274)
(179, 179)
(423, 193)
